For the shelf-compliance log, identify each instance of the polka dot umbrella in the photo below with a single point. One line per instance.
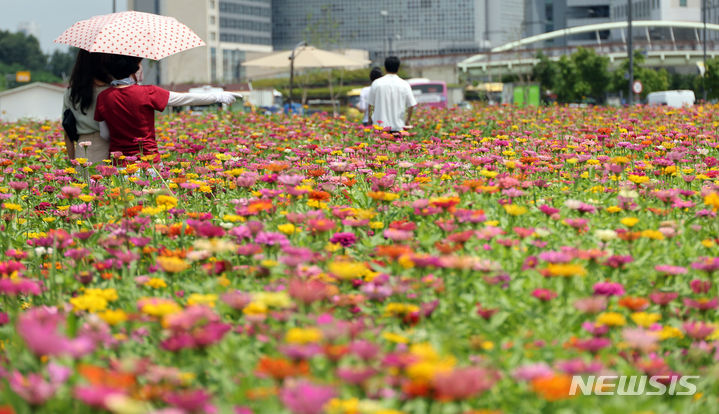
(131, 33)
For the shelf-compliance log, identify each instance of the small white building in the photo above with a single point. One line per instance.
(37, 100)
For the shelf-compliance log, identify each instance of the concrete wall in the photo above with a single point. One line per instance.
(191, 65)
(36, 103)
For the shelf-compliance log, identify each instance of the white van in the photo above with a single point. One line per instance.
(674, 99)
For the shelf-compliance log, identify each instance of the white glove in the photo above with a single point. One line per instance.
(225, 97)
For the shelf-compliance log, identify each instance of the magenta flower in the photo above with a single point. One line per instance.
(593, 345)
(304, 397)
(544, 294)
(700, 286)
(702, 304)
(191, 401)
(346, 239)
(608, 289)
(707, 264)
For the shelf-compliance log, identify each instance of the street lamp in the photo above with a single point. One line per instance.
(292, 68)
(385, 14)
(630, 52)
(704, 44)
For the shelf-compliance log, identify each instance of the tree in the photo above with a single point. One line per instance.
(545, 72)
(711, 80)
(651, 79)
(582, 76)
(60, 63)
(21, 49)
(568, 86)
(593, 72)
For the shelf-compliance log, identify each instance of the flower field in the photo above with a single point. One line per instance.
(310, 265)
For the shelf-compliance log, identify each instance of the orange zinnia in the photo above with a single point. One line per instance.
(280, 368)
(319, 195)
(97, 375)
(634, 303)
(259, 206)
(553, 388)
(316, 173)
(392, 251)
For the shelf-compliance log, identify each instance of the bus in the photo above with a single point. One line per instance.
(429, 93)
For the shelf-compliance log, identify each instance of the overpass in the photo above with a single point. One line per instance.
(667, 51)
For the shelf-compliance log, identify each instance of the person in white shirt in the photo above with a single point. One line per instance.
(389, 97)
(363, 104)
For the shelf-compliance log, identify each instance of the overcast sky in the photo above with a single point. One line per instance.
(51, 17)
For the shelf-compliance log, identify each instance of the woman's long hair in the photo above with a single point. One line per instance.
(88, 68)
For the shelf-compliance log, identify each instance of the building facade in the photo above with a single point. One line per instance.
(234, 30)
(407, 28)
(543, 16)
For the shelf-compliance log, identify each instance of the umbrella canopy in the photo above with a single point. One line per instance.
(307, 57)
(131, 33)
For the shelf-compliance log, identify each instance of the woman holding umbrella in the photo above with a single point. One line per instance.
(82, 133)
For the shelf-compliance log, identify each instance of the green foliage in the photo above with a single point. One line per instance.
(582, 76)
(678, 81)
(652, 80)
(21, 49)
(545, 72)
(60, 63)
(20, 52)
(592, 70)
(711, 80)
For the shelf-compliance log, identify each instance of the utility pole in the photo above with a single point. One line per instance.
(114, 6)
(293, 55)
(704, 44)
(630, 52)
(385, 40)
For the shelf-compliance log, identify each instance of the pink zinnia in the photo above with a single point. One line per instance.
(305, 397)
(592, 345)
(670, 270)
(663, 298)
(307, 291)
(464, 383)
(532, 371)
(698, 330)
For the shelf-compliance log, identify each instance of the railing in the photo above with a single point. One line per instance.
(603, 49)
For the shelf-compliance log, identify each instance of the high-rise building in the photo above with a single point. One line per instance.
(28, 28)
(405, 28)
(232, 30)
(542, 16)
